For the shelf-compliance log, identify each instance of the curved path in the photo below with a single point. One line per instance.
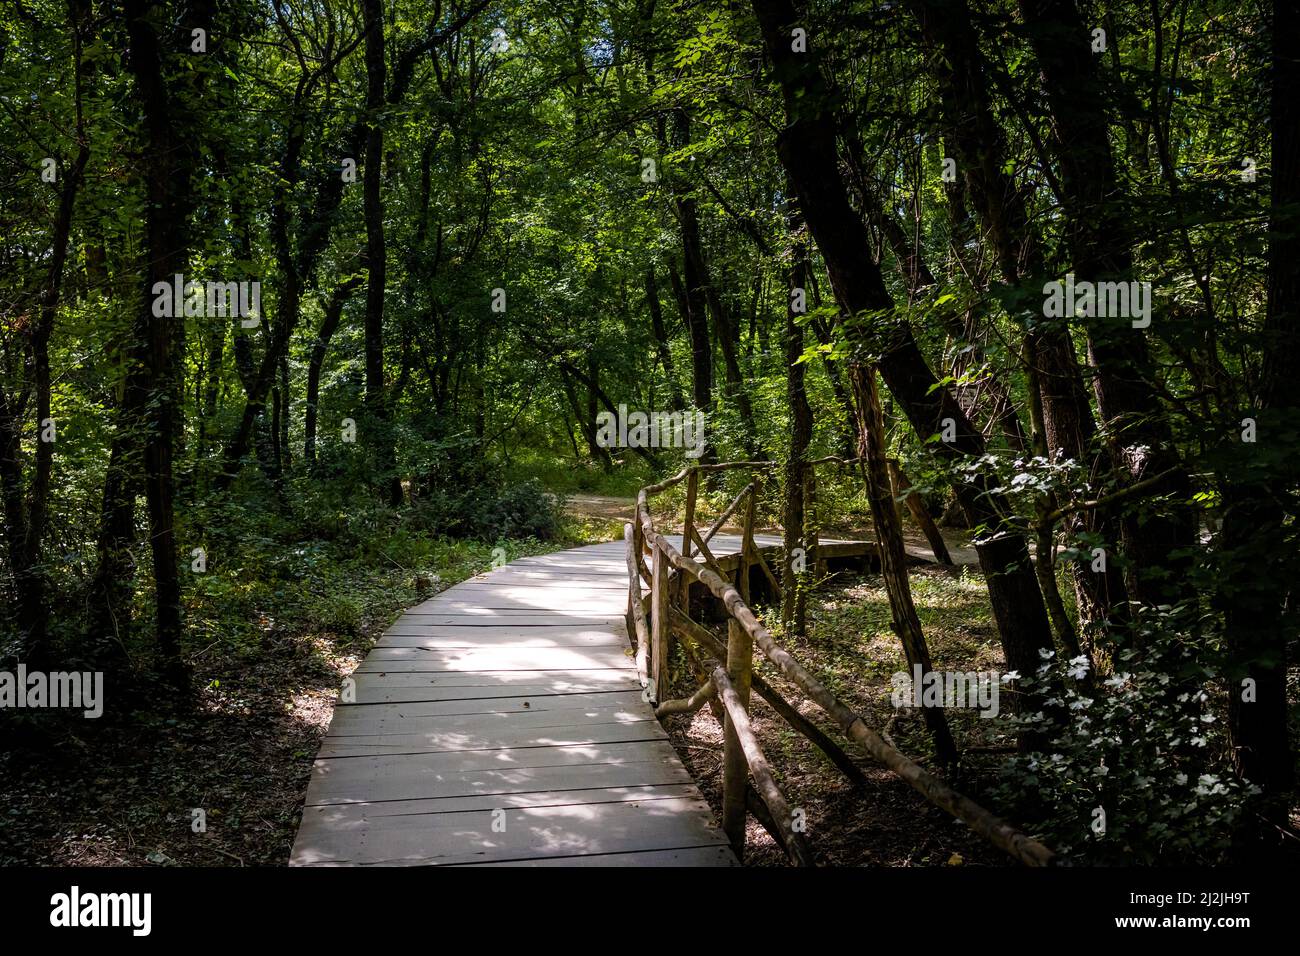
(501, 722)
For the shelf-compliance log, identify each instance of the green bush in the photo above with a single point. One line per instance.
(489, 512)
(1134, 769)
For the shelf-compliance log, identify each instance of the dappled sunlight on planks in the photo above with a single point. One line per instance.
(502, 721)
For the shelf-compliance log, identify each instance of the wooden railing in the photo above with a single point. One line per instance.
(725, 672)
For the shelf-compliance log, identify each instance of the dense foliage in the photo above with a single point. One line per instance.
(477, 225)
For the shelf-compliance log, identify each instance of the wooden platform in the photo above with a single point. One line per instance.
(501, 722)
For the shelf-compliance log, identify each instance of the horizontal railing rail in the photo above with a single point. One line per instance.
(726, 675)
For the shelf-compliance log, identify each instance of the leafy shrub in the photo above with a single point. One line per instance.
(522, 510)
(336, 613)
(1142, 745)
(490, 512)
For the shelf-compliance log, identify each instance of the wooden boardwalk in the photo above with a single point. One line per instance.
(502, 723)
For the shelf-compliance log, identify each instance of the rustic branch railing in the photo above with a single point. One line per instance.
(727, 684)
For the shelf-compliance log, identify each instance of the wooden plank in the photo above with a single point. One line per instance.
(385, 691)
(480, 727)
(509, 737)
(504, 677)
(493, 705)
(507, 618)
(505, 833)
(471, 611)
(510, 658)
(572, 606)
(437, 766)
(685, 856)
(522, 799)
(359, 787)
(415, 638)
(556, 580)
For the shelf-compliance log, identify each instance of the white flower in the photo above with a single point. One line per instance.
(1010, 676)
(1078, 667)
(1045, 654)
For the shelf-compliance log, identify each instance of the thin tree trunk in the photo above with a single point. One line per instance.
(889, 540)
(675, 402)
(794, 603)
(328, 326)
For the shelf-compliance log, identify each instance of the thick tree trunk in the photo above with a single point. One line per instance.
(675, 402)
(168, 170)
(376, 251)
(807, 150)
(1101, 247)
(688, 288)
(1258, 548)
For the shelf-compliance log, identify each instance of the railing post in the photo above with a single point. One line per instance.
(688, 539)
(659, 622)
(735, 769)
(747, 546)
(811, 542)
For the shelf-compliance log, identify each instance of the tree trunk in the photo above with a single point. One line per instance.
(1100, 244)
(1257, 544)
(328, 326)
(794, 597)
(807, 151)
(675, 402)
(376, 251)
(167, 169)
(889, 540)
